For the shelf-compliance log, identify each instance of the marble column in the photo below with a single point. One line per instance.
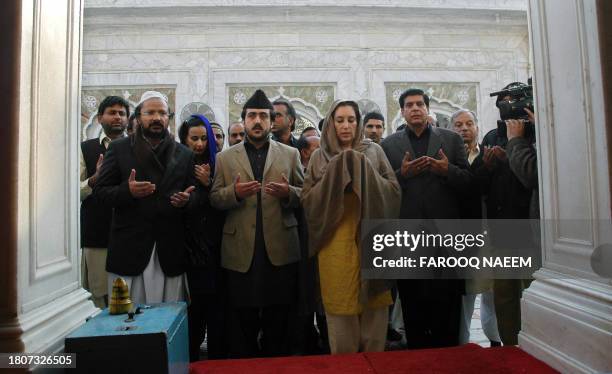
(40, 253)
(567, 311)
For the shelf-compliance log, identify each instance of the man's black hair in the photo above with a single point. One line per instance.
(373, 115)
(131, 119)
(308, 129)
(290, 110)
(110, 101)
(413, 92)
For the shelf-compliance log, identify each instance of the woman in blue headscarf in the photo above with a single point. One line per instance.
(204, 231)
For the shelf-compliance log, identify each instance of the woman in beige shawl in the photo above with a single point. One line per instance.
(348, 179)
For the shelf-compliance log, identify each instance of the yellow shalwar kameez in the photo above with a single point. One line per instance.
(351, 328)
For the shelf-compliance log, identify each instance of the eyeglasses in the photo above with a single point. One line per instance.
(161, 113)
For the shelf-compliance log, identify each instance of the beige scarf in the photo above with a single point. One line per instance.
(364, 170)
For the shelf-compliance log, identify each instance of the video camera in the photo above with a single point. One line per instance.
(521, 98)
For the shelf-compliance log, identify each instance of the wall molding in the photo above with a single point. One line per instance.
(553, 310)
(566, 310)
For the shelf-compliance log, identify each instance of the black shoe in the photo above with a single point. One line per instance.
(393, 335)
(495, 344)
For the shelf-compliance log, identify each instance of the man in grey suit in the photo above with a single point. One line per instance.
(258, 184)
(432, 168)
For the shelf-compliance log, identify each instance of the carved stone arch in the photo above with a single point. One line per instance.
(443, 110)
(91, 129)
(366, 106)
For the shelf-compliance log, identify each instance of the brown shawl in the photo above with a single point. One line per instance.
(366, 171)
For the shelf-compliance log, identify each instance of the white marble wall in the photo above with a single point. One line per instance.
(201, 47)
(567, 311)
(50, 301)
(456, 4)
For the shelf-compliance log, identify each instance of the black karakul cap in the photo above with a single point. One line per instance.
(259, 100)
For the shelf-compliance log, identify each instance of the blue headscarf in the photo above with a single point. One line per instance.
(212, 143)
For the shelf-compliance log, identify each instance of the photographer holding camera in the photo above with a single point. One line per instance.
(523, 160)
(511, 179)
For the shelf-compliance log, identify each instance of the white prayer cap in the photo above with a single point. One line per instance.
(152, 95)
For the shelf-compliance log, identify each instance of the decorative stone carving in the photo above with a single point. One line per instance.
(239, 98)
(91, 104)
(197, 108)
(396, 94)
(321, 96)
(462, 97)
(305, 99)
(366, 106)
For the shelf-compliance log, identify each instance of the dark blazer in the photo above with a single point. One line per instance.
(523, 160)
(204, 228)
(472, 204)
(139, 223)
(507, 198)
(95, 216)
(428, 195)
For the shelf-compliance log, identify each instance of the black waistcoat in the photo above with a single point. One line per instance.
(95, 217)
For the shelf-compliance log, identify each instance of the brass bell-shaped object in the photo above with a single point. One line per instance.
(120, 302)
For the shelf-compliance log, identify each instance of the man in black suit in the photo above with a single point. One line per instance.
(431, 166)
(148, 178)
(465, 123)
(113, 115)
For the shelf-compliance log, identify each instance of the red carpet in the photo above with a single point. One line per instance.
(469, 358)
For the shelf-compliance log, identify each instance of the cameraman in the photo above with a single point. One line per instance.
(522, 157)
(508, 199)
